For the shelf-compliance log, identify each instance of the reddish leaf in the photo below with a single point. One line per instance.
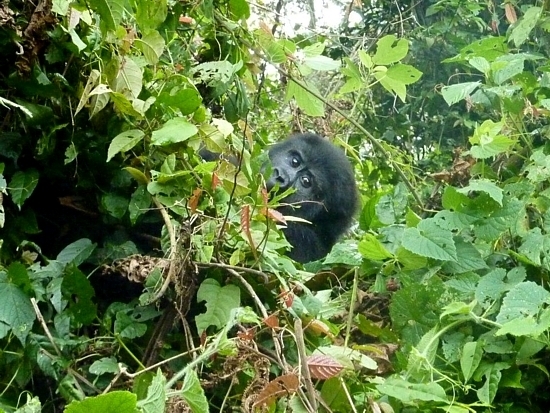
(272, 321)
(287, 297)
(510, 13)
(194, 199)
(246, 335)
(280, 387)
(186, 20)
(274, 215)
(215, 180)
(323, 367)
(265, 198)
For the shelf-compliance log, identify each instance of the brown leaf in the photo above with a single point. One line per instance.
(194, 199)
(323, 367)
(272, 321)
(274, 215)
(510, 13)
(186, 20)
(280, 387)
(215, 180)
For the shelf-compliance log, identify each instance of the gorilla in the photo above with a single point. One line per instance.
(325, 193)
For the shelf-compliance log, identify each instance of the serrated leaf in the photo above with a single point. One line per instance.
(124, 142)
(155, 401)
(193, 393)
(16, 312)
(323, 367)
(174, 131)
(488, 391)
(523, 300)
(430, 240)
(469, 259)
(22, 185)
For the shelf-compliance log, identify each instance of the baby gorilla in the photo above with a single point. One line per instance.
(325, 193)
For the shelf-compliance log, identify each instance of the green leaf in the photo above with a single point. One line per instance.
(483, 185)
(80, 294)
(139, 203)
(390, 50)
(239, 9)
(113, 402)
(410, 392)
(129, 79)
(344, 253)
(77, 252)
(155, 402)
(104, 365)
(315, 49)
(372, 249)
(152, 45)
(430, 240)
(455, 93)
(193, 393)
(488, 141)
(114, 204)
(110, 12)
(150, 14)
(469, 259)
(534, 243)
(488, 391)
(311, 105)
(128, 327)
(16, 312)
(321, 63)
(219, 303)
(123, 105)
(22, 185)
(501, 219)
(395, 79)
(539, 169)
(520, 33)
(524, 299)
(174, 131)
(470, 359)
(124, 141)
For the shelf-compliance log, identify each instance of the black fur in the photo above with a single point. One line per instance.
(325, 193)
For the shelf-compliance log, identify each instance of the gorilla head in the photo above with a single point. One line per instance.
(325, 193)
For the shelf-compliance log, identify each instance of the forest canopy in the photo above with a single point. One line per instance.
(143, 260)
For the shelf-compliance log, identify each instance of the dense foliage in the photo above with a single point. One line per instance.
(135, 276)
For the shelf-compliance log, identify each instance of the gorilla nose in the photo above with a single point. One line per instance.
(277, 178)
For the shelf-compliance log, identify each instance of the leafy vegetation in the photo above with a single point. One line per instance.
(136, 276)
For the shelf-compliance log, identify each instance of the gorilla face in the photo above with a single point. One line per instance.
(325, 193)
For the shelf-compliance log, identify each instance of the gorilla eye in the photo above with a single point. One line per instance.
(306, 181)
(295, 162)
